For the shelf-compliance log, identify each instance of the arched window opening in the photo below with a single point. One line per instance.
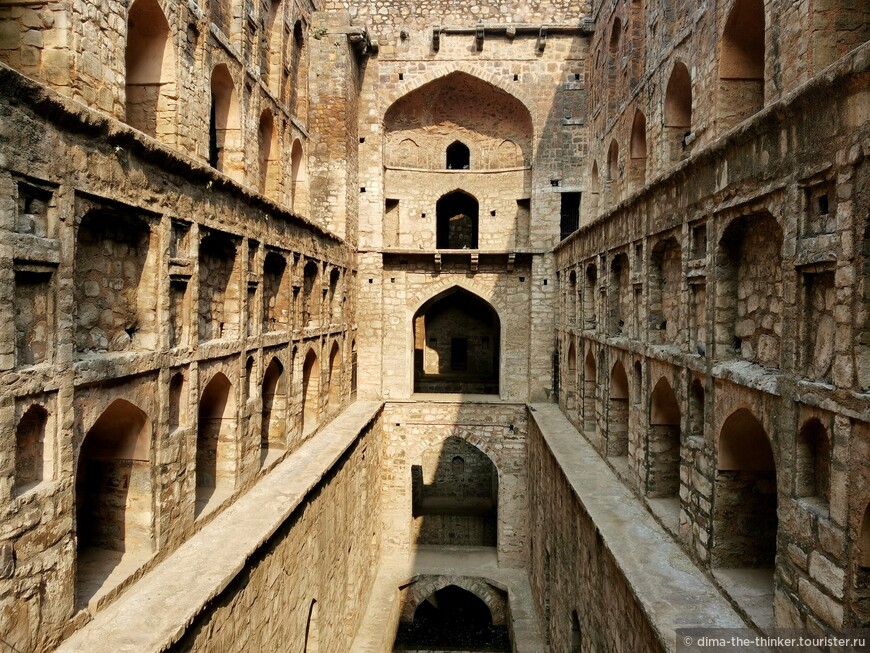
(663, 443)
(312, 628)
(617, 413)
(456, 345)
(33, 454)
(813, 464)
(454, 496)
(590, 299)
(744, 510)
(576, 634)
(590, 420)
(273, 432)
(353, 370)
(615, 35)
(113, 500)
(250, 390)
(334, 397)
(215, 444)
(618, 295)
(638, 149)
(150, 70)
(270, 172)
(741, 64)
(678, 112)
(457, 216)
(453, 618)
(458, 156)
(311, 293)
(336, 296)
(225, 136)
(310, 393)
(613, 162)
(270, 48)
(177, 401)
(299, 178)
(571, 384)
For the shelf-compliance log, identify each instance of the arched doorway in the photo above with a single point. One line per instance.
(333, 399)
(215, 443)
(310, 392)
(456, 344)
(457, 215)
(617, 412)
(273, 433)
(113, 499)
(663, 443)
(454, 496)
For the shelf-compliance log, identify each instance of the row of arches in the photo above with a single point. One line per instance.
(152, 98)
(673, 311)
(116, 481)
(741, 70)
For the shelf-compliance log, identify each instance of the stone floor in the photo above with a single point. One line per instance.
(751, 590)
(99, 571)
(379, 624)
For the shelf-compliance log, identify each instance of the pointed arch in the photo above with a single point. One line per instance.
(33, 451)
(270, 157)
(150, 71)
(741, 63)
(310, 392)
(456, 336)
(225, 136)
(663, 442)
(678, 98)
(617, 413)
(334, 395)
(299, 178)
(215, 442)
(273, 431)
(458, 156)
(457, 221)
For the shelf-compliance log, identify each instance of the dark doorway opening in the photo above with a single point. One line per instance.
(457, 215)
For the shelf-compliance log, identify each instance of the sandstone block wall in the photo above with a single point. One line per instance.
(765, 341)
(304, 588)
(415, 432)
(118, 309)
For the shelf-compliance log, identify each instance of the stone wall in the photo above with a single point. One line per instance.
(765, 341)
(571, 569)
(101, 317)
(415, 431)
(305, 586)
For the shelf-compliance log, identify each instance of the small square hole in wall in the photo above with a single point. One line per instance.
(371, 280)
(362, 139)
(576, 77)
(554, 183)
(392, 279)
(422, 215)
(362, 189)
(546, 282)
(401, 76)
(516, 77)
(492, 213)
(522, 279)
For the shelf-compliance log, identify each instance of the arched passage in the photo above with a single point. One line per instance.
(638, 148)
(741, 64)
(454, 496)
(225, 135)
(456, 344)
(744, 511)
(270, 158)
(310, 392)
(663, 443)
(453, 618)
(334, 397)
(311, 293)
(273, 432)
(617, 413)
(458, 156)
(457, 221)
(590, 421)
(150, 69)
(299, 178)
(215, 443)
(113, 498)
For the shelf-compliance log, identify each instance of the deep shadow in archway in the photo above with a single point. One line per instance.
(452, 619)
(456, 345)
(457, 216)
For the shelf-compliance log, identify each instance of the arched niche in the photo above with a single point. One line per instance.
(457, 156)
(150, 71)
(617, 413)
(225, 128)
(270, 157)
(457, 341)
(273, 430)
(333, 399)
(745, 497)
(215, 443)
(457, 221)
(741, 63)
(310, 392)
(663, 442)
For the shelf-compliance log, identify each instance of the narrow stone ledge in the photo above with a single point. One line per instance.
(154, 613)
(672, 592)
